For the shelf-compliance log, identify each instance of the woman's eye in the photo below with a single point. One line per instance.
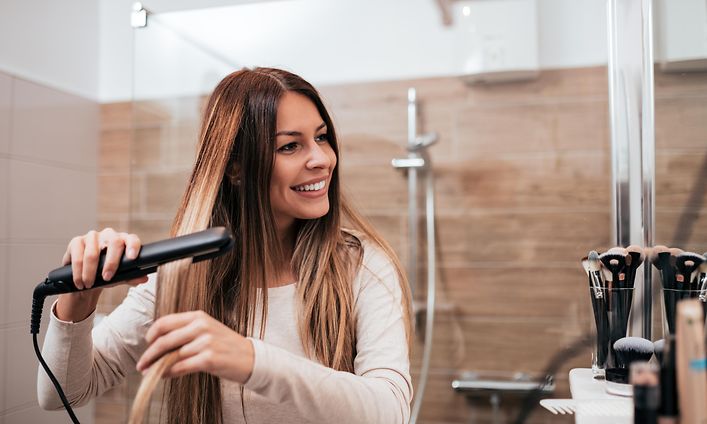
(322, 137)
(288, 148)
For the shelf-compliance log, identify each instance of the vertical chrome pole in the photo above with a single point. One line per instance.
(412, 194)
(632, 139)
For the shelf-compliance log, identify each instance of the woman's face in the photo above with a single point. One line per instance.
(304, 162)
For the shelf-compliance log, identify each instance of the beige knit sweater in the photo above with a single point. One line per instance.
(285, 386)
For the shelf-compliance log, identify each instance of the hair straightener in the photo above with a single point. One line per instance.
(200, 246)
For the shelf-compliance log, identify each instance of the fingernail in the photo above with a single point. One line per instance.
(131, 253)
(107, 275)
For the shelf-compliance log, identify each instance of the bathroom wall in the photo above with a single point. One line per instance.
(48, 142)
(523, 192)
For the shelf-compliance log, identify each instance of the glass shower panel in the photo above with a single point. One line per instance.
(680, 125)
(522, 165)
(172, 75)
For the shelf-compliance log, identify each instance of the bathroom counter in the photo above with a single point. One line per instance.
(594, 404)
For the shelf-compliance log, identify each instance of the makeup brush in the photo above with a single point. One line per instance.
(686, 263)
(615, 261)
(631, 349)
(636, 256)
(628, 350)
(660, 257)
(601, 320)
(702, 279)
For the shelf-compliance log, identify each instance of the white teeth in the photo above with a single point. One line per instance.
(311, 187)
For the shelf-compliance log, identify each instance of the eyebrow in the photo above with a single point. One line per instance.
(297, 133)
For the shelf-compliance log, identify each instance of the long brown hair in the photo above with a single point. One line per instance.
(229, 187)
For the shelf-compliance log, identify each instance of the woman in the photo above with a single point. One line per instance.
(303, 321)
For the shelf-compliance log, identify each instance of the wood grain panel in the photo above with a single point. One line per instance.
(554, 180)
(680, 123)
(164, 190)
(116, 116)
(114, 150)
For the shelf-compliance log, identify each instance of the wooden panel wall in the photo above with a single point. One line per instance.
(523, 191)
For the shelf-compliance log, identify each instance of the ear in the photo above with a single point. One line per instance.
(233, 173)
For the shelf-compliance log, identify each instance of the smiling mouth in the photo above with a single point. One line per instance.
(310, 187)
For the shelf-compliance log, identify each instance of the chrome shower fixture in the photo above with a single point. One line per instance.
(423, 141)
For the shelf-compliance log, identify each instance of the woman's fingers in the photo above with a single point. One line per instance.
(132, 245)
(169, 341)
(170, 322)
(91, 254)
(199, 362)
(114, 245)
(76, 248)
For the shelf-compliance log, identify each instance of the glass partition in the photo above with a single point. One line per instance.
(521, 167)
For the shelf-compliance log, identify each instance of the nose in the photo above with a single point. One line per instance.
(319, 157)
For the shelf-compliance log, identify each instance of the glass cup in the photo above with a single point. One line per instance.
(611, 308)
(670, 299)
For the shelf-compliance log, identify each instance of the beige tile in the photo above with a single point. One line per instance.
(50, 203)
(114, 116)
(164, 191)
(150, 230)
(35, 415)
(147, 152)
(114, 193)
(114, 150)
(4, 284)
(5, 195)
(20, 383)
(28, 265)
(52, 125)
(3, 366)
(5, 112)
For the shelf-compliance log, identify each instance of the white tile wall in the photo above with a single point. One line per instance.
(20, 383)
(51, 125)
(28, 265)
(35, 415)
(50, 203)
(5, 112)
(48, 145)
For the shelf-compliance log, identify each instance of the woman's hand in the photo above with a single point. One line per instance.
(83, 253)
(204, 344)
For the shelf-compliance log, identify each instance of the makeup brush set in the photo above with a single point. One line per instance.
(611, 279)
(683, 276)
(682, 387)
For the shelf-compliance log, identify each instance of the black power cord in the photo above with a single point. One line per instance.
(37, 305)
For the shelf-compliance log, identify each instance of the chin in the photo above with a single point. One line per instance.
(314, 213)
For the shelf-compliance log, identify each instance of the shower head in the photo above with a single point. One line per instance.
(423, 141)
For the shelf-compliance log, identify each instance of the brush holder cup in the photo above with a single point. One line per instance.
(611, 308)
(670, 299)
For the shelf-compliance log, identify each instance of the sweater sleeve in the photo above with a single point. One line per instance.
(379, 390)
(87, 363)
